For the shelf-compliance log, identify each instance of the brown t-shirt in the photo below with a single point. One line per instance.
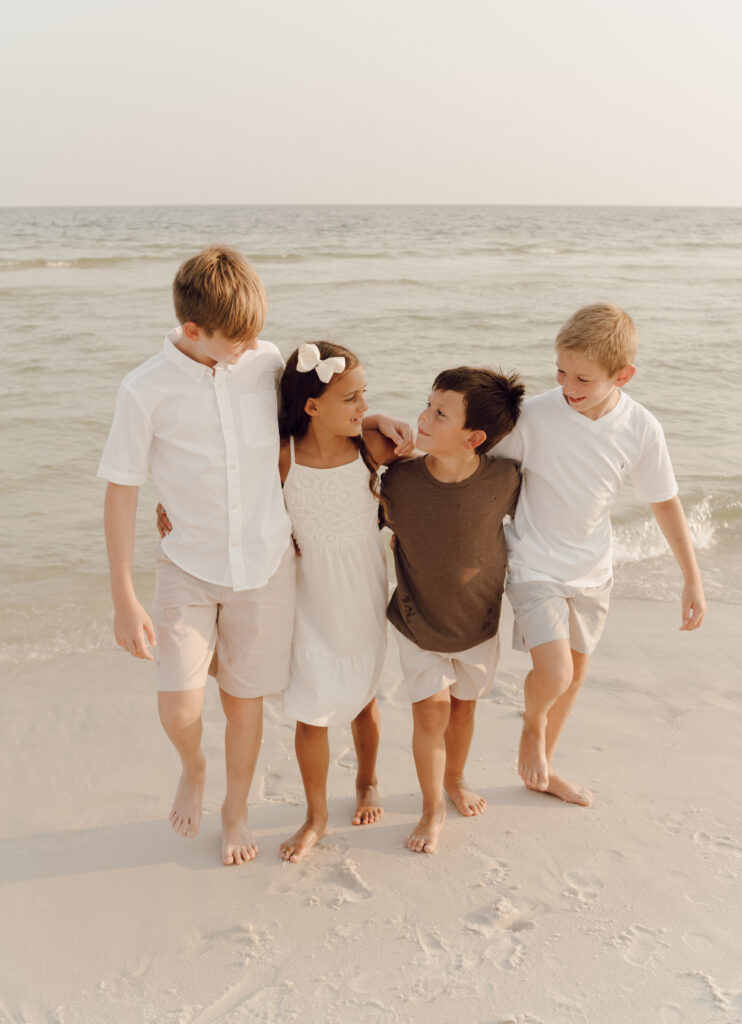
(449, 551)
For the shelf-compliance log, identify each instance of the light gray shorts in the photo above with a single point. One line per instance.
(241, 637)
(468, 675)
(545, 611)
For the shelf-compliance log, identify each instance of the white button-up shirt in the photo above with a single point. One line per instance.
(211, 438)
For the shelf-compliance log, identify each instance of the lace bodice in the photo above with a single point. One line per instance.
(330, 508)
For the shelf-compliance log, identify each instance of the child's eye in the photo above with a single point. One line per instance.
(582, 380)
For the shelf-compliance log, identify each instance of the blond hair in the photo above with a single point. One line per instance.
(602, 333)
(218, 290)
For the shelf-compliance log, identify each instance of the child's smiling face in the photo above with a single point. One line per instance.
(341, 405)
(586, 386)
(440, 426)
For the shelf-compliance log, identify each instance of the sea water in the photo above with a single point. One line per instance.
(413, 290)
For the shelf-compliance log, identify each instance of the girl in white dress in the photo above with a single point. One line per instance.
(331, 491)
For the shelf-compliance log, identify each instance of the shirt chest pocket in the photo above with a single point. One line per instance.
(259, 416)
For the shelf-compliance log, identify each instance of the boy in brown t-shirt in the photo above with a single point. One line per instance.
(446, 511)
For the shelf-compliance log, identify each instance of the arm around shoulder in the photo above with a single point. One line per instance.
(132, 627)
(671, 520)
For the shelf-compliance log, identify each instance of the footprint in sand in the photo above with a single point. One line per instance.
(583, 886)
(346, 759)
(270, 788)
(504, 929)
(643, 946)
(672, 1014)
(717, 844)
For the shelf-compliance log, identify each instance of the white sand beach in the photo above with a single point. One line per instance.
(536, 913)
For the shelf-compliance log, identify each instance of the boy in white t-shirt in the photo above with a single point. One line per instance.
(203, 414)
(576, 444)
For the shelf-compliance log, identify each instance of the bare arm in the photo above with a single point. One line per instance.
(132, 627)
(397, 432)
(671, 520)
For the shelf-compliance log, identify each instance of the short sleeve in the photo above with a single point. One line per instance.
(652, 473)
(125, 458)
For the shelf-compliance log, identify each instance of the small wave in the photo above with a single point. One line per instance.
(638, 541)
(78, 263)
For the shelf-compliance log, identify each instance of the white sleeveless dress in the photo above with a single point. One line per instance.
(339, 638)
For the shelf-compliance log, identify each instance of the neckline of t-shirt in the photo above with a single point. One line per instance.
(591, 424)
(451, 484)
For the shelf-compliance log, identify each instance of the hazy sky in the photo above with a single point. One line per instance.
(382, 101)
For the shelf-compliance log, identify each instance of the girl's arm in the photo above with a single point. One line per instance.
(671, 520)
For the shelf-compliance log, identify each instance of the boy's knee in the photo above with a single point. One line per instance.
(431, 716)
(178, 716)
(462, 710)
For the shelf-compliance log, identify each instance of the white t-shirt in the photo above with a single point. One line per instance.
(573, 468)
(212, 441)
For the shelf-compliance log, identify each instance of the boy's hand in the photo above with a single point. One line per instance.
(694, 605)
(164, 526)
(399, 432)
(133, 630)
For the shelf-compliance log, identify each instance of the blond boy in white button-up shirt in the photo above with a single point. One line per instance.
(202, 415)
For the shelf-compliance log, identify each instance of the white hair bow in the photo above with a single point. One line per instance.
(309, 359)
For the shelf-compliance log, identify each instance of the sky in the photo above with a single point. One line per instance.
(636, 102)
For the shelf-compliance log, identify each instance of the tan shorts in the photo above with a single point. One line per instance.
(546, 611)
(247, 633)
(468, 675)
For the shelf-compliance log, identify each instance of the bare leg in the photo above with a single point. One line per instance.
(458, 741)
(549, 678)
(180, 714)
(313, 754)
(570, 792)
(366, 727)
(241, 747)
(430, 718)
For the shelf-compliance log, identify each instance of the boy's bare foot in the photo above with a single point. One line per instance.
(567, 791)
(465, 800)
(424, 836)
(533, 767)
(301, 842)
(368, 806)
(185, 816)
(238, 845)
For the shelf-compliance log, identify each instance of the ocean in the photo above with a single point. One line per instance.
(86, 297)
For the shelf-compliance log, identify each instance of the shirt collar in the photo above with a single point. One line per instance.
(195, 370)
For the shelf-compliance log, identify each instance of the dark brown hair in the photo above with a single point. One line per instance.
(492, 399)
(218, 290)
(295, 390)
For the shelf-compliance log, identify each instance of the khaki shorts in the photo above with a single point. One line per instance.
(468, 675)
(546, 611)
(242, 638)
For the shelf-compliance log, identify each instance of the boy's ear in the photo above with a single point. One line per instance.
(625, 374)
(475, 438)
(191, 330)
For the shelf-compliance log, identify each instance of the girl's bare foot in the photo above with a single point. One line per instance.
(368, 806)
(238, 845)
(465, 800)
(301, 842)
(424, 836)
(185, 816)
(533, 767)
(567, 791)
